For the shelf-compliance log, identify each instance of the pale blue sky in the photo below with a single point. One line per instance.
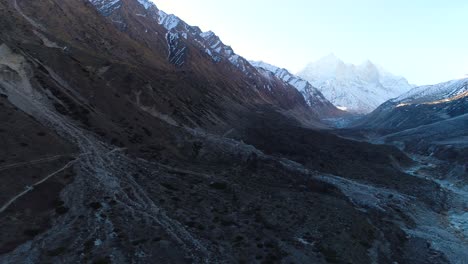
(424, 40)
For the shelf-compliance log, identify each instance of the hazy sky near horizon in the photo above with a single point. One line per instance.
(425, 41)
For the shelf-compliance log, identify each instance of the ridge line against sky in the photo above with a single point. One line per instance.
(423, 41)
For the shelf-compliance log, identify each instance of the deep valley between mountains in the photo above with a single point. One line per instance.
(128, 136)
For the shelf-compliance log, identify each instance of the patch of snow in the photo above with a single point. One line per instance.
(304, 242)
(207, 34)
(106, 7)
(119, 22)
(343, 108)
(97, 242)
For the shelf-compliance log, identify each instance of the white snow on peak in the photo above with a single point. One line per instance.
(266, 66)
(168, 21)
(308, 91)
(358, 88)
(235, 60)
(104, 2)
(437, 92)
(146, 3)
(207, 34)
(106, 7)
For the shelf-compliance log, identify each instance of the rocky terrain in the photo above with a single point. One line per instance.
(129, 136)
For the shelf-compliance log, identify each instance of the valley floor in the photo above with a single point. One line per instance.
(448, 230)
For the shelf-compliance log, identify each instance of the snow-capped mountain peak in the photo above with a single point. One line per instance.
(357, 88)
(330, 59)
(327, 66)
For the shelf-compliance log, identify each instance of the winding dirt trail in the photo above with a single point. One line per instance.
(31, 187)
(31, 162)
(30, 20)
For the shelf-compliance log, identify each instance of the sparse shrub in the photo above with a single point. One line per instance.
(32, 232)
(61, 210)
(56, 252)
(95, 205)
(218, 185)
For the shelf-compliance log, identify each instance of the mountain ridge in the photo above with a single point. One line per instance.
(312, 95)
(183, 41)
(423, 118)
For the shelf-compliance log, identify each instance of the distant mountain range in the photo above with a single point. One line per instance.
(420, 106)
(431, 118)
(354, 88)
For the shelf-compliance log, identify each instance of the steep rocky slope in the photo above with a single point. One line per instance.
(312, 95)
(204, 55)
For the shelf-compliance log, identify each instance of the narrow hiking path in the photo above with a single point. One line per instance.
(32, 162)
(29, 188)
(30, 20)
